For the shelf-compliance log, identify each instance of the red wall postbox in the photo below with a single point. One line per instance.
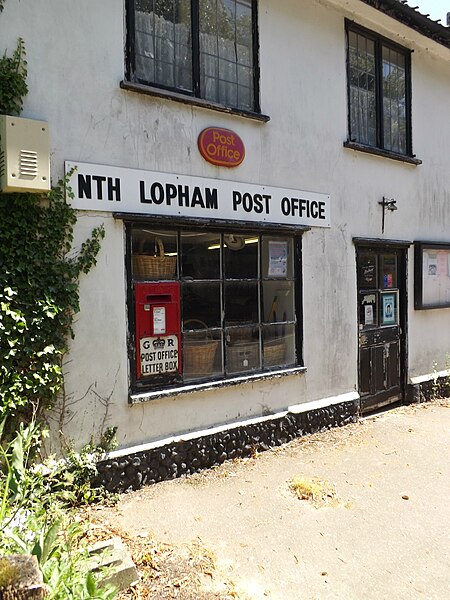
(158, 329)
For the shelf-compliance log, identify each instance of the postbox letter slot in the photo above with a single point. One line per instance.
(157, 298)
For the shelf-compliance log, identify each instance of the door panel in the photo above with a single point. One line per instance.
(378, 364)
(364, 370)
(392, 367)
(380, 312)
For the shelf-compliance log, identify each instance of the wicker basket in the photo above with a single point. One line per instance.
(274, 352)
(242, 356)
(199, 354)
(241, 334)
(146, 266)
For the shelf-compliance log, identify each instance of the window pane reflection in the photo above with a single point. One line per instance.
(241, 302)
(241, 256)
(200, 256)
(201, 304)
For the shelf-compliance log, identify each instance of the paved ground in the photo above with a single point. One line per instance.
(382, 534)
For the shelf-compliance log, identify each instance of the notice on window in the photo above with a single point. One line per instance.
(368, 315)
(368, 310)
(432, 270)
(389, 316)
(158, 355)
(278, 259)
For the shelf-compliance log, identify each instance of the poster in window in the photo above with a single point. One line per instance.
(368, 315)
(368, 310)
(368, 271)
(389, 262)
(278, 259)
(432, 264)
(389, 309)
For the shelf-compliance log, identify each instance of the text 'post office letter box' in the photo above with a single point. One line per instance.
(157, 329)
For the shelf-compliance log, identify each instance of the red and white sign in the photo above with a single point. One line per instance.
(221, 147)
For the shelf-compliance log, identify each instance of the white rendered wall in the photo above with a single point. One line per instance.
(76, 61)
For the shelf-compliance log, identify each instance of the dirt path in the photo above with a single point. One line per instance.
(381, 532)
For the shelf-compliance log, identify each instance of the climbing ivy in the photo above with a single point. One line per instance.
(38, 279)
(13, 85)
(38, 297)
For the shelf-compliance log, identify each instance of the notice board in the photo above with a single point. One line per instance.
(431, 275)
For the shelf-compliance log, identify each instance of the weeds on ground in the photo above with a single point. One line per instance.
(440, 388)
(317, 491)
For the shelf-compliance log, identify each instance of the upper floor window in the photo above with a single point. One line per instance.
(202, 48)
(379, 84)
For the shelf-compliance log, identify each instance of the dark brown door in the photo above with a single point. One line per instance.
(381, 320)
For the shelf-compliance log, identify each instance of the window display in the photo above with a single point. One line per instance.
(238, 311)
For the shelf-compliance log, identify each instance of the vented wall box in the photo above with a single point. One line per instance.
(24, 155)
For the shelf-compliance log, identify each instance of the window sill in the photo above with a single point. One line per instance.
(138, 398)
(380, 152)
(160, 93)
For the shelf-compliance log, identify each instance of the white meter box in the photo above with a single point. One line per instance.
(24, 155)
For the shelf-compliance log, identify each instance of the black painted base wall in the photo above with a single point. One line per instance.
(180, 458)
(429, 390)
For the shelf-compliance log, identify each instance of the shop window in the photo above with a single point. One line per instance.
(201, 48)
(238, 295)
(379, 84)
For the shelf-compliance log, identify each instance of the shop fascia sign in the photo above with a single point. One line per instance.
(134, 191)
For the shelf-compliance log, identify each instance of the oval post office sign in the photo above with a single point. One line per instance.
(221, 147)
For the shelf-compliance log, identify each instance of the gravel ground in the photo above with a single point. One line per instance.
(370, 521)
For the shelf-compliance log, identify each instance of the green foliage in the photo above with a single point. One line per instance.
(13, 85)
(38, 297)
(34, 515)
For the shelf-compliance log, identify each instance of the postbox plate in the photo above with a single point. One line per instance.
(159, 355)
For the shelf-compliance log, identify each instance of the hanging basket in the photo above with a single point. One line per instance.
(199, 354)
(146, 266)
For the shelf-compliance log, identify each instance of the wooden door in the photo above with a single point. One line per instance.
(381, 321)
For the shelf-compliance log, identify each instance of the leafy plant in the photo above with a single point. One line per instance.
(35, 519)
(38, 298)
(13, 74)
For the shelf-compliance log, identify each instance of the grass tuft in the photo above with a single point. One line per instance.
(315, 490)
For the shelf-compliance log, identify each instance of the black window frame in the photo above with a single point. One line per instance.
(380, 42)
(176, 93)
(142, 386)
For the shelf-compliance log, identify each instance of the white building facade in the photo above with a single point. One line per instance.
(273, 182)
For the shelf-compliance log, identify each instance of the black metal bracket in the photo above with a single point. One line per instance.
(387, 204)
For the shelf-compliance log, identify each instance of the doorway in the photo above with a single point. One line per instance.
(382, 320)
